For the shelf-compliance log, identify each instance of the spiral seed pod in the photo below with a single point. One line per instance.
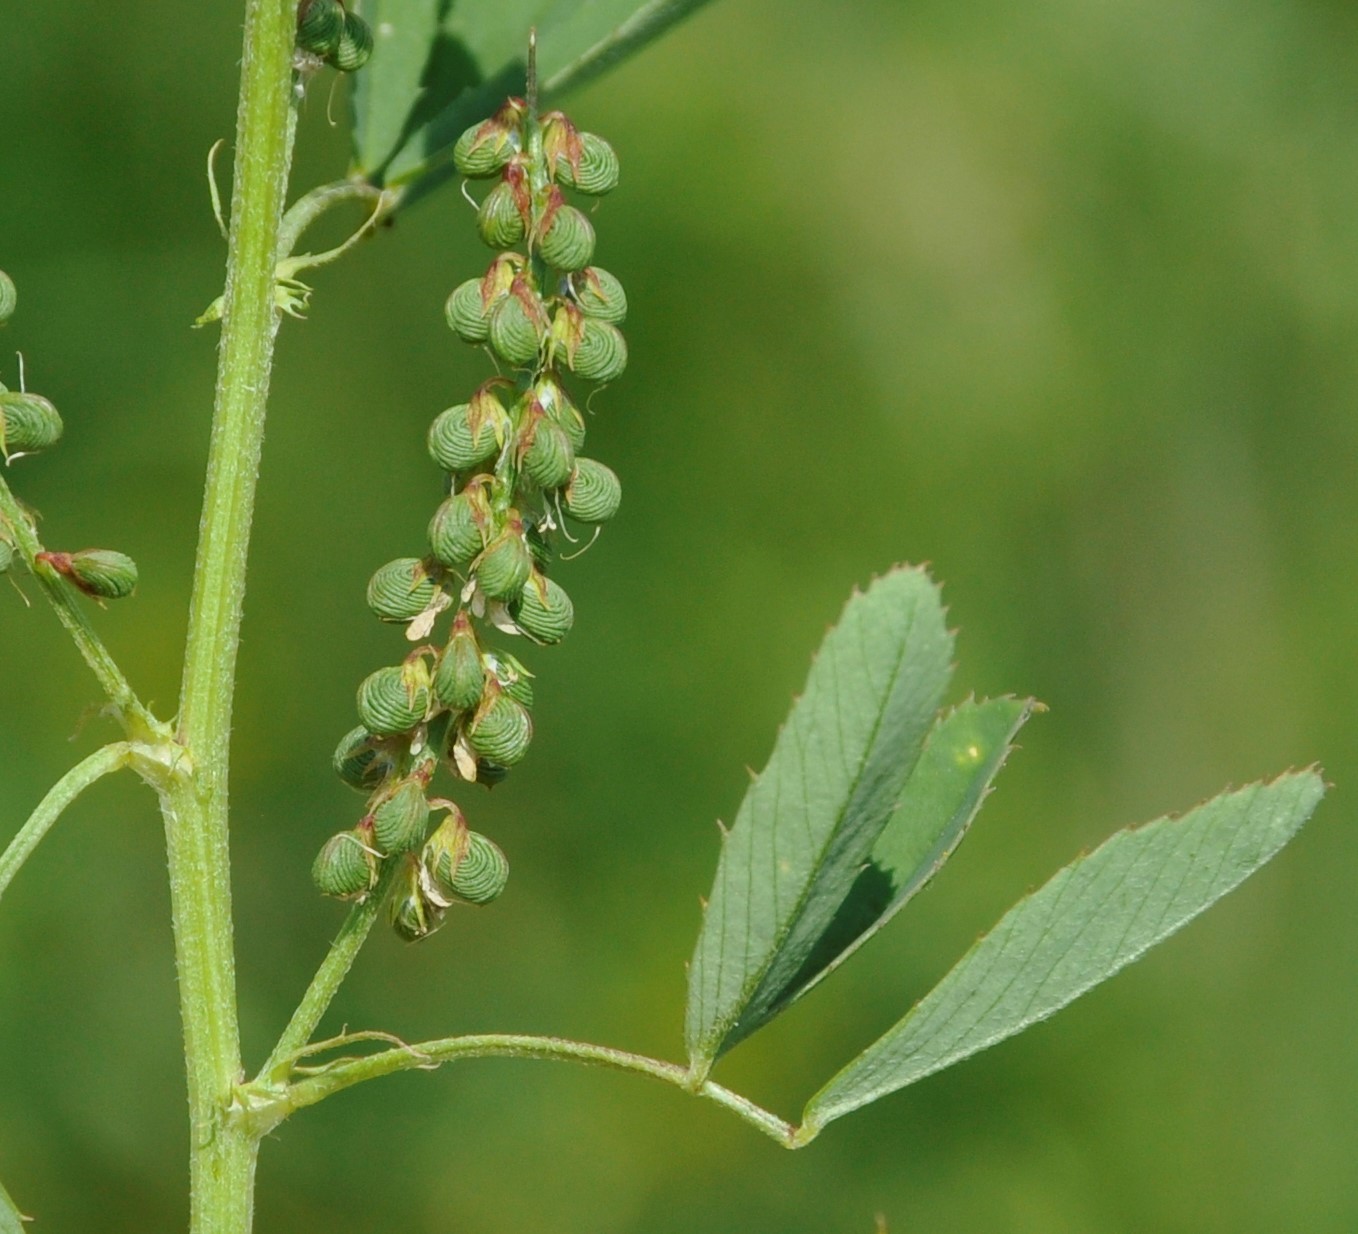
(28, 423)
(412, 916)
(482, 874)
(361, 761)
(394, 700)
(355, 45)
(601, 352)
(569, 242)
(511, 676)
(456, 532)
(543, 611)
(594, 493)
(499, 219)
(459, 441)
(506, 563)
(98, 572)
(401, 590)
(320, 24)
(460, 677)
(486, 148)
(442, 854)
(600, 295)
(344, 868)
(516, 330)
(9, 297)
(401, 820)
(548, 396)
(549, 458)
(593, 170)
(466, 312)
(501, 730)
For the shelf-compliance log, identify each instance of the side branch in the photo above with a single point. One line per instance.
(99, 764)
(426, 1055)
(134, 717)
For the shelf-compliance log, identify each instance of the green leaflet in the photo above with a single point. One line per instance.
(441, 65)
(11, 1219)
(810, 821)
(1094, 917)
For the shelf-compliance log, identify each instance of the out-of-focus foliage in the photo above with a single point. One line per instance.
(1058, 297)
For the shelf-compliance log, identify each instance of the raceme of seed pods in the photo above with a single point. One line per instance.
(29, 423)
(516, 482)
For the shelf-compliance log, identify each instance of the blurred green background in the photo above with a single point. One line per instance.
(1057, 297)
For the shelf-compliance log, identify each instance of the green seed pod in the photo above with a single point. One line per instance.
(601, 352)
(459, 441)
(486, 148)
(569, 242)
(501, 729)
(600, 295)
(593, 170)
(442, 854)
(548, 396)
(543, 611)
(539, 545)
(28, 423)
(506, 563)
(466, 312)
(9, 297)
(400, 822)
(6, 555)
(460, 677)
(320, 24)
(511, 676)
(394, 700)
(361, 761)
(401, 590)
(483, 872)
(457, 530)
(516, 330)
(549, 458)
(594, 493)
(98, 572)
(499, 219)
(413, 917)
(355, 45)
(344, 868)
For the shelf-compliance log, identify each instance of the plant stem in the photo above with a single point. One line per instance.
(429, 1054)
(195, 806)
(130, 712)
(99, 764)
(332, 972)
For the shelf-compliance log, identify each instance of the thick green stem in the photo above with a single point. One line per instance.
(195, 804)
(429, 1054)
(62, 793)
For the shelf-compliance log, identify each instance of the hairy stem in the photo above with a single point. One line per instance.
(195, 805)
(429, 1054)
(99, 764)
(63, 598)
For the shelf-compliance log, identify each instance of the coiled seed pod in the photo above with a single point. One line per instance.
(511, 676)
(456, 443)
(501, 730)
(9, 297)
(6, 555)
(499, 219)
(401, 590)
(400, 821)
(345, 868)
(594, 493)
(548, 396)
(320, 24)
(460, 676)
(361, 761)
(442, 854)
(486, 148)
(549, 458)
(483, 872)
(516, 330)
(506, 563)
(98, 572)
(412, 916)
(593, 170)
(466, 312)
(569, 242)
(28, 422)
(543, 610)
(601, 352)
(456, 532)
(600, 295)
(394, 700)
(355, 45)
